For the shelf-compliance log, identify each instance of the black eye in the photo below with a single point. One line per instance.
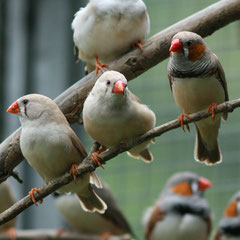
(189, 43)
(108, 82)
(25, 101)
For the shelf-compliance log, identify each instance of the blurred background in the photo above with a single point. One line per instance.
(36, 56)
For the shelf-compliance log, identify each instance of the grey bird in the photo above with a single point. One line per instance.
(112, 222)
(197, 81)
(52, 148)
(112, 115)
(181, 212)
(229, 225)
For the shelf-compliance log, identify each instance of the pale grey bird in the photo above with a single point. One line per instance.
(52, 148)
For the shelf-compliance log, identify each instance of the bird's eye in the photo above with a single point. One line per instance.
(189, 43)
(108, 82)
(25, 101)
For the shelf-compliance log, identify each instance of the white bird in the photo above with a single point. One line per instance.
(105, 29)
(112, 114)
(52, 148)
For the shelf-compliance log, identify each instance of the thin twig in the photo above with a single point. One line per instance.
(87, 165)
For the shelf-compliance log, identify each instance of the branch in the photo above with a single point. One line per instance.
(87, 165)
(43, 234)
(132, 64)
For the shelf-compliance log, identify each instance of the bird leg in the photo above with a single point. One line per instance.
(212, 107)
(96, 156)
(11, 232)
(31, 194)
(99, 65)
(180, 120)
(138, 44)
(74, 171)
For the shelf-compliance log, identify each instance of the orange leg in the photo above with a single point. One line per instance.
(73, 171)
(212, 107)
(11, 232)
(60, 231)
(99, 65)
(138, 44)
(96, 156)
(31, 194)
(180, 120)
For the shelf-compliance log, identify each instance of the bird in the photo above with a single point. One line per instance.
(52, 148)
(7, 199)
(112, 222)
(198, 82)
(104, 30)
(113, 115)
(181, 212)
(229, 225)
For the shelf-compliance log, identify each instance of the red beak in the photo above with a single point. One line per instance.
(204, 183)
(14, 108)
(176, 46)
(119, 87)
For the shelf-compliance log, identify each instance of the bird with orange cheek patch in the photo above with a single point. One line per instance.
(229, 226)
(197, 81)
(181, 212)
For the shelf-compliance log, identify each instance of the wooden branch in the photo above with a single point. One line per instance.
(87, 165)
(43, 234)
(132, 64)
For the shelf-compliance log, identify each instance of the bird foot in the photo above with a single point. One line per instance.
(11, 232)
(99, 65)
(213, 108)
(74, 171)
(138, 44)
(31, 194)
(96, 156)
(180, 120)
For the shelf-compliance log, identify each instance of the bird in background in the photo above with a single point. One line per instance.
(112, 222)
(52, 148)
(229, 225)
(113, 115)
(197, 81)
(181, 212)
(7, 199)
(105, 29)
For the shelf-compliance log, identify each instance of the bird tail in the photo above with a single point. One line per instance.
(145, 155)
(91, 202)
(205, 154)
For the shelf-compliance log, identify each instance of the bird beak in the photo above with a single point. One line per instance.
(119, 87)
(14, 108)
(176, 46)
(204, 183)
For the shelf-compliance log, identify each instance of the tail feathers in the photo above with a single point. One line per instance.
(92, 202)
(204, 154)
(145, 155)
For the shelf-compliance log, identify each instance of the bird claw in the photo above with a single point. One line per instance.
(96, 157)
(99, 65)
(31, 194)
(74, 171)
(11, 232)
(138, 44)
(213, 108)
(180, 120)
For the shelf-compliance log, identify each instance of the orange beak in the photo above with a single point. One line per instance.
(119, 87)
(176, 46)
(204, 183)
(14, 108)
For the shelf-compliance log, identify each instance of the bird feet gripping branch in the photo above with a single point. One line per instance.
(212, 108)
(99, 65)
(31, 194)
(96, 157)
(138, 44)
(180, 120)
(74, 171)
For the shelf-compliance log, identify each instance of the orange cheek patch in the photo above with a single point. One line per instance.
(196, 51)
(182, 189)
(231, 210)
